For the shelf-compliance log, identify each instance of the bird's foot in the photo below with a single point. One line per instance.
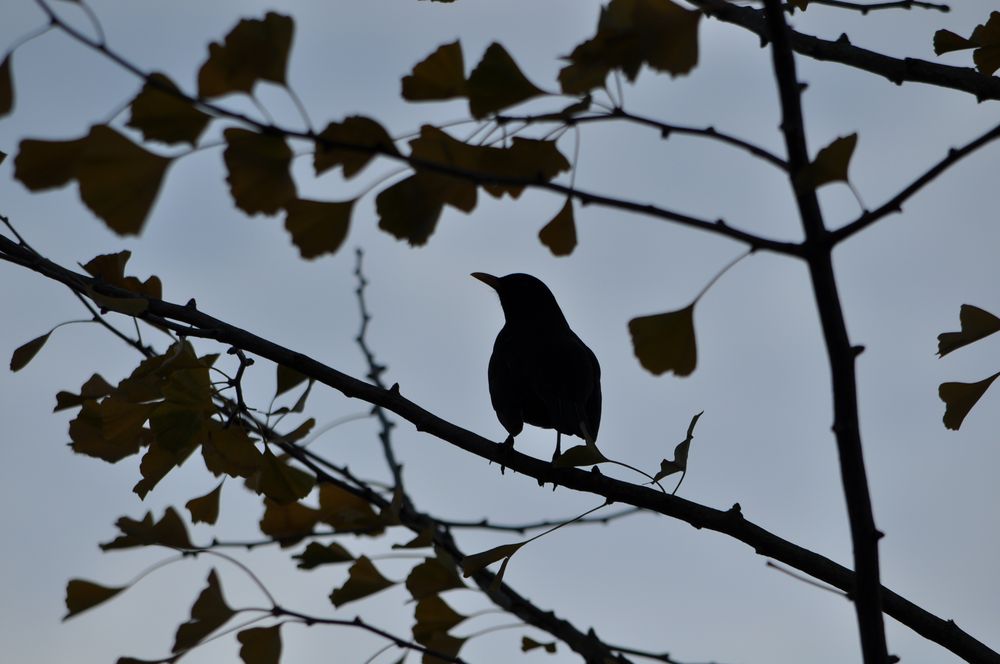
(506, 448)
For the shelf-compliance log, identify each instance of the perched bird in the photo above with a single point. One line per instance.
(540, 372)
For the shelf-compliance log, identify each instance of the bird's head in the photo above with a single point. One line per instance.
(525, 299)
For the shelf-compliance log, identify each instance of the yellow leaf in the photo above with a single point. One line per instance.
(441, 75)
(497, 83)
(446, 644)
(24, 353)
(88, 433)
(260, 645)
(156, 463)
(6, 87)
(208, 613)
(351, 144)
(830, 164)
(316, 554)
(433, 576)
(976, 324)
(47, 164)
(110, 268)
(409, 209)
(205, 509)
(164, 116)
(318, 227)
(631, 33)
(95, 388)
(289, 523)
(559, 235)
(287, 379)
(169, 531)
(479, 561)
(82, 595)
(347, 512)
(259, 171)
(959, 398)
(253, 50)
(666, 342)
(363, 580)
(434, 616)
(283, 483)
(230, 450)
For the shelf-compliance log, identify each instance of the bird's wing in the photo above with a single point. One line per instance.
(566, 378)
(507, 387)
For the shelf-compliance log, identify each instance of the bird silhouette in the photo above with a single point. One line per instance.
(540, 372)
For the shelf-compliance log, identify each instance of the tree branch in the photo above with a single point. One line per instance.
(964, 79)
(874, 6)
(730, 522)
(867, 588)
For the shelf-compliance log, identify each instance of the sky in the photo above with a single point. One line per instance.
(764, 441)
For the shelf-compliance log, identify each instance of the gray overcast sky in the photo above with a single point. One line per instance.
(762, 378)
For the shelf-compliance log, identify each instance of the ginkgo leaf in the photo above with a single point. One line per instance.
(666, 342)
(433, 615)
(580, 455)
(316, 554)
(208, 613)
(259, 171)
(363, 580)
(318, 227)
(479, 561)
(43, 165)
(205, 509)
(119, 181)
(168, 531)
(985, 38)
(433, 576)
(282, 483)
(156, 463)
(830, 164)
(959, 398)
(347, 512)
(631, 33)
(351, 144)
(24, 353)
(445, 644)
(976, 324)
(288, 523)
(110, 268)
(946, 41)
(409, 210)
(95, 388)
(230, 450)
(441, 75)
(82, 595)
(528, 644)
(497, 82)
(161, 114)
(679, 462)
(6, 87)
(559, 235)
(260, 645)
(253, 50)
(287, 379)
(110, 430)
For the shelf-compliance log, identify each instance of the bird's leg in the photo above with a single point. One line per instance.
(507, 446)
(558, 451)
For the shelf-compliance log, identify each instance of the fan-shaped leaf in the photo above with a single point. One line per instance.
(260, 645)
(363, 580)
(351, 144)
(161, 114)
(959, 398)
(497, 82)
(434, 616)
(318, 227)
(830, 164)
(976, 324)
(433, 576)
(441, 75)
(559, 235)
(479, 561)
(205, 509)
(316, 554)
(259, 171)
(288, 523)
(666, 342)
(82, 595)
(24, 353)
(208, 613)
(253, 50)
(282, 483)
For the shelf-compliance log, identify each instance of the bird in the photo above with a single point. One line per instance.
(540, 372)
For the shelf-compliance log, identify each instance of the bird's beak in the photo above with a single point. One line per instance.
(487, 279)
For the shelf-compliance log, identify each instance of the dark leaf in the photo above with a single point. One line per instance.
(434, 616)
(230, 450)
(95, 388)
(161, 114)
(976, 324)
(169, 531)
(666, 342)
(110, 268)
(254, 50)
(497, 83)
(318, 227)
(82, 595)
(409, 209)
(830, 164)
(259, 167)
(959, 398)
(479, 561)
(260, 645)
(287, 379)
(205, 509)
(441, 75)
(316, 554)
(208, 613)
(347, 512)
(283, 483)
(559, 235)
(433, 576)
(363, 580)
(23, 354)
(528, 644)
(289, 523)
(351, 144)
